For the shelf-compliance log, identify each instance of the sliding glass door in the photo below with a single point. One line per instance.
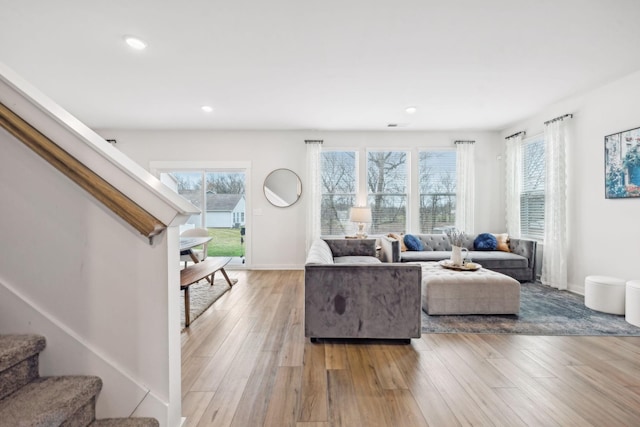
(221, 197)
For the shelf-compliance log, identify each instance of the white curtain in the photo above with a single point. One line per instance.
(314, 191)
(513, 183)
(465, 186)
(554, 254)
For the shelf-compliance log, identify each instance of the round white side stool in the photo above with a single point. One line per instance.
(632, 302)
(606, 294)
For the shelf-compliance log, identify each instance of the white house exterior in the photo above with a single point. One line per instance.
(225, 210)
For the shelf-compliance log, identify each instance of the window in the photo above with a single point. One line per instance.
(437, 186)
(339, 183)
(221, 197)
(387, 173)
(532, 192)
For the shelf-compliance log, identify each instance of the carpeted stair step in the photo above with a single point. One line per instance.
(126, 422)
(18, 361)
(67, 401)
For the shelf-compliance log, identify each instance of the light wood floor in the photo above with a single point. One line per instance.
(246, 362)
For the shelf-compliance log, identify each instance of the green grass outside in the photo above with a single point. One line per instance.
(225, 242)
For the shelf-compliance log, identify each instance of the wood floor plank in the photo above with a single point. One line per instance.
(471, 354)
(192, 367)
(402, 409)
(283, 405)
(578, 373)
(434, 408)
(605, 386)
(361, 369)
(223, 405)
(194, 404)
(585, 402)
(343, 407)
(369, 397)
(280, 321)
(258, 391)
(562, 413)
(526, 408)
(292, 351)
(479, 346)
(385, 368)
(475, 385)
(515, 355)
(199, 332)
(335, 355)
(626, 373)
(247, 363)
(209, 346)
(464, 407)
(313, 391)
(212, 374)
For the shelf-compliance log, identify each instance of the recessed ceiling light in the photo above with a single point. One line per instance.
(411, 110)
(207, 108)
(135, 42)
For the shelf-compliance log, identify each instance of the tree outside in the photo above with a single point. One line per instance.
(387, 185)
(437, 181)
(338, 180)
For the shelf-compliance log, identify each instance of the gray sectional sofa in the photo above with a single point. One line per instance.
(350, 293)
(519, 263)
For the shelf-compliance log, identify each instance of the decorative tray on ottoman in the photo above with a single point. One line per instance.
(446, 263)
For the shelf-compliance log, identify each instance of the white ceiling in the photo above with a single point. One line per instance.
(317, 64)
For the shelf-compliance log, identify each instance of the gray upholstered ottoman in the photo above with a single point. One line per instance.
(483, 291)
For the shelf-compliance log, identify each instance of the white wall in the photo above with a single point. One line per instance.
(604, 233)
(74, 272)
(276, 236)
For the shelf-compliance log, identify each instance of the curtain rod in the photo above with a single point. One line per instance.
(313, 141)
(460, 141)
(558, 118)
(523, 133)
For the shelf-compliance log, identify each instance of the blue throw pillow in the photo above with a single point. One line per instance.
(485, 242)
(413, 243)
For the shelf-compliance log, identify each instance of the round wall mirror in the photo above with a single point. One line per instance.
(282, 188)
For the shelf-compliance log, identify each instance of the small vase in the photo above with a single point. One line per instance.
(456, 255)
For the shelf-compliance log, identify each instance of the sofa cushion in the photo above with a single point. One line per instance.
(485, 242)
(348, 247)
(435, 242)
(503, 242)
(498, 259)
(356, 259)
(410, 256)
(399, 238)
(488, 259)
(413, 243)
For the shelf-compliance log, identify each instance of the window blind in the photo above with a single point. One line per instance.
(532, 195)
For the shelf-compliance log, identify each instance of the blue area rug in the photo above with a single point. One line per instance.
(543, 311)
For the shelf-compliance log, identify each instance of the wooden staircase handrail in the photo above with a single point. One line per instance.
(98, 187)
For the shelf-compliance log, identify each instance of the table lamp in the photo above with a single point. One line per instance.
(362, 216)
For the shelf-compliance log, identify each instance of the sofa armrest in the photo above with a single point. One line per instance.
(526, 248)
(390, 251)
(319, 253)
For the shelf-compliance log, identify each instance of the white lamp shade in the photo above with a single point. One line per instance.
(360, 214)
